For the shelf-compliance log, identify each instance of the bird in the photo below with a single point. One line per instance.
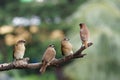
(66, 47)
(48, 57)
(84, 34)
(19, 50)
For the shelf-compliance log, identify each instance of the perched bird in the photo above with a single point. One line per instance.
(66, 47)
(84, 34)
(48, 57)
(19, 50)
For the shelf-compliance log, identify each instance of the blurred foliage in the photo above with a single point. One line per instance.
(102, 62)
(62, 8)
(102, 18)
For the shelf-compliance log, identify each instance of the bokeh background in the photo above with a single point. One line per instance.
(42, 22)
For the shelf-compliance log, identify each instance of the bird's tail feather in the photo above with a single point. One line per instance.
(43, 67)
(85, 44)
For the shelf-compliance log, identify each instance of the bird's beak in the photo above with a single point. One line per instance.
(81, 24)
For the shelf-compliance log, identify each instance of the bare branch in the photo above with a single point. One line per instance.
(23, 64)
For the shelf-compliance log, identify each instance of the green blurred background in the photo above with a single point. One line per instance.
(42, 22)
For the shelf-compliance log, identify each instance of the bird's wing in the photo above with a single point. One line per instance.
(49, 54)
(62, 51)
(83, 35)
(14, 48)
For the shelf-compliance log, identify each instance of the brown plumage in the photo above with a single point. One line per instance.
(84, 34)
(19, 50)
(47, 58)
(66, 47)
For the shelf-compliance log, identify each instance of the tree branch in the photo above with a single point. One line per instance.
(23, 64)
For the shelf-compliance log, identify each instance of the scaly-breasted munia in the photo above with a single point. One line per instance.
(66, 47)
(48, 57)
(19, 50)
(84, 34)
